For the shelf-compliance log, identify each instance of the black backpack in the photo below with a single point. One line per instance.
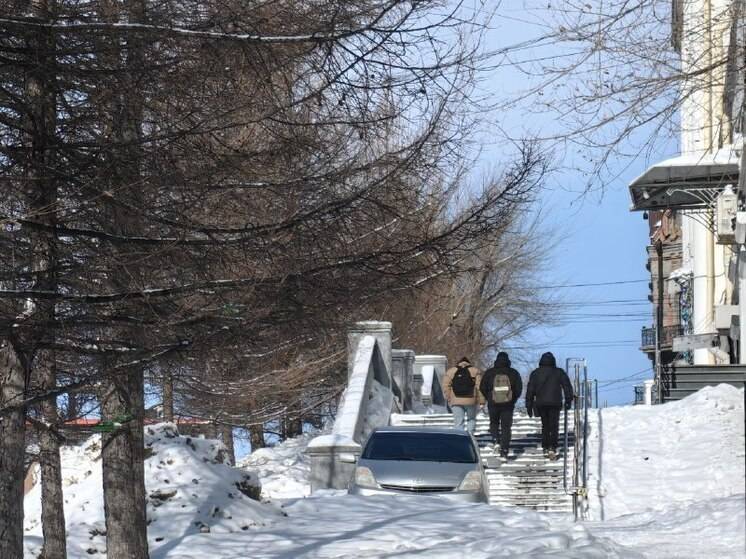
(463, 383)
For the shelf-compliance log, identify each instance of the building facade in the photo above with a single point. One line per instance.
(692, 200)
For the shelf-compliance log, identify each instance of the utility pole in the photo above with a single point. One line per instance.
(659, 322)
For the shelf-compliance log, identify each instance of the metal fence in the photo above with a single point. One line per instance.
(669, 333)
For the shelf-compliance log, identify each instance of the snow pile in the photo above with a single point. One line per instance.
(284, 469)
(191, 490)
(678, 453)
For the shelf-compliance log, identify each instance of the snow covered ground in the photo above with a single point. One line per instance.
(648, 457)
(671, 486)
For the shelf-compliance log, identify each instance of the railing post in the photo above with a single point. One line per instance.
(440, 362)
(380, 330)
(333, 456)
(402, 371)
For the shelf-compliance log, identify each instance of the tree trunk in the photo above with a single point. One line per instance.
(226, 435)
(52, 501)
(124, 503)
(12, 448)
(73, 407)
(168, 396)
(256, 436)
(42, 188)
(124, 402)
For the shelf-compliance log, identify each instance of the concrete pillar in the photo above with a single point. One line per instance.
(440, 362)
(380, 330)
(332, 463)
(703, 289)
(402, 371)
(741, 304)
(648, 396)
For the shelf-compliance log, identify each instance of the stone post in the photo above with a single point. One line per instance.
(332, 462)
(440, 362)
(402, 371)
(380, 330)
(333, 456)
(648, 394)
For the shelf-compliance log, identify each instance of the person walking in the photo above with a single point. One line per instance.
(461, 385)
(544, 397)
(501, 387)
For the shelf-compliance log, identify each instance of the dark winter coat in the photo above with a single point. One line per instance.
(548, 384)
(502, 366)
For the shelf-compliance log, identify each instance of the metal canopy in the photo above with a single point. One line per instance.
(685, 182)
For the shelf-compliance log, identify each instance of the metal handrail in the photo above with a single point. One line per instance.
(576, 456)
(564, 454)
(580, 426)
(585, 428)
(576, 361)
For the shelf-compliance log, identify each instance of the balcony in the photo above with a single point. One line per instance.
(669, 333)
(639, 395)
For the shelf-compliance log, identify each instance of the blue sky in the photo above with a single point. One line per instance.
(600, 241)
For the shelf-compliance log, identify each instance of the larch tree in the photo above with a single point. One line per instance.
(228, 192)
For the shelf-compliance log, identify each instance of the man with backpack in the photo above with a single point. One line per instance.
(460, 388)
(501, 386)
(544, 397)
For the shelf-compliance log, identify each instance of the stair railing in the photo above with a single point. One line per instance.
(565, 446)
(579, 489)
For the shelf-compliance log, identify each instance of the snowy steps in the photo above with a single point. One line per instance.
(527, 478)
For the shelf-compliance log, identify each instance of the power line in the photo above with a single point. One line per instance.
(620, 282)
(596, 343)
(633, 376)
(591, 284)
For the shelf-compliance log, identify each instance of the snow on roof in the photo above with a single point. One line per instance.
(687, 181)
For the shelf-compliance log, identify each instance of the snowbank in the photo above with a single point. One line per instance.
(283, 469)
(191, 490)
(654, 456)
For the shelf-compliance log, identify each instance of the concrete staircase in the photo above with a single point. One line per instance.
(527, 479)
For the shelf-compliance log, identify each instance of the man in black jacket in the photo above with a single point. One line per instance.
(501, 386)
(544, 397)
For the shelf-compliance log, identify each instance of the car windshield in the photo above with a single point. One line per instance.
(425, 447)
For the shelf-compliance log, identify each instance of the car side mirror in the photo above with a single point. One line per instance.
(347, 457)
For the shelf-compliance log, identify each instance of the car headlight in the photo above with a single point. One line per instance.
(471, 482)
(364, 477)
